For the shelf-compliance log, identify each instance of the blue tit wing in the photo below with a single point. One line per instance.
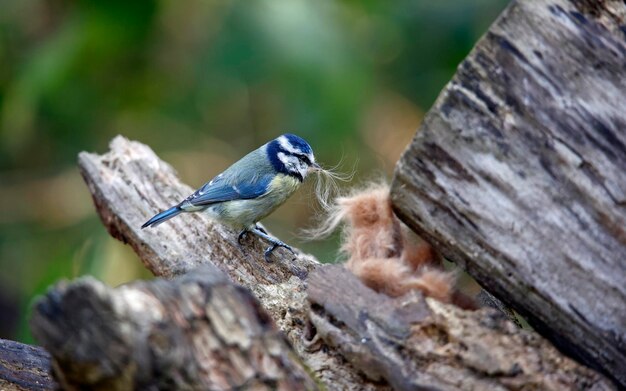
(221, 190)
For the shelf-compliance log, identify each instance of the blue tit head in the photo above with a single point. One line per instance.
(291, 155)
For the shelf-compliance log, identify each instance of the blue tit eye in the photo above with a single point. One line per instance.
(304, 158)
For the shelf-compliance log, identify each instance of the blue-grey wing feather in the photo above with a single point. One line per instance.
(220, 190)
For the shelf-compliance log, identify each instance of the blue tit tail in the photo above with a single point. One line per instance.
(161, 217)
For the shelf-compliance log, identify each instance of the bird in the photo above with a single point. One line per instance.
(251, 189)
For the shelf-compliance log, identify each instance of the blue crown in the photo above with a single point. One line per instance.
(298, 143)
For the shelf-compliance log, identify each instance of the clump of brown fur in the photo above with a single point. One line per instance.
(380, 250)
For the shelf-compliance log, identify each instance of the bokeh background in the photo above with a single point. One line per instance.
(202, 82)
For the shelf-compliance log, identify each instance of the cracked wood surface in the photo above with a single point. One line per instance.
(24, 367)
(422, 344)
(130, 176)
(196, 332)
(130, 183)
(518, 172)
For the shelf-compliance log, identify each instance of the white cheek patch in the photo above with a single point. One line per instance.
(293, 164)
(303, 168)
(288, 160)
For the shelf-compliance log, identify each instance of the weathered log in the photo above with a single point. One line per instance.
(518, 172)
(422, 344)
(24, 367)
(196, 332)
(130, 183)
(130, 177)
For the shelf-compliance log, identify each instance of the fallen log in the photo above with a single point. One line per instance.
(196, 332)
(518, 172)
(423, 344)
(131, 173)
(130, 183)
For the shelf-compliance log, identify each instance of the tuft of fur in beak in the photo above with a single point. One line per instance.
(383, 252)
(314, 167)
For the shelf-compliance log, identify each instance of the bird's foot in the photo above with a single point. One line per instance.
(242, 235)
(273, 241)
(270, 249)
(260, 228)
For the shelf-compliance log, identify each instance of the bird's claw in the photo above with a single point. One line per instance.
(270, 249)
(268, 253)
(242, 235)
(273, 242)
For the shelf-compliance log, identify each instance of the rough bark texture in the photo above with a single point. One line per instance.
(130, 177)
(24, 367)
(518, 172)
(130, 183)
(424, 344)
(195, 332)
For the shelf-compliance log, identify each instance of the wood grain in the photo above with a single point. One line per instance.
(131, 173)
(24, 367)
(196, 332)
(130, 183)
(418, 344)
(518, 172)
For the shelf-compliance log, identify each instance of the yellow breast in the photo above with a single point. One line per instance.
(282, 187)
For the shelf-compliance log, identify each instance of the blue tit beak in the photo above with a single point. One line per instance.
(314, 167)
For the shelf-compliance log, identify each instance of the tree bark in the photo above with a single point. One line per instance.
(130, 183)
(130, 176)
(419, 344)
(518, 172)
(24, 367)
(517, 175)
(195, 332)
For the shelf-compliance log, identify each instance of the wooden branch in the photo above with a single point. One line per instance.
(423, 344)
(130, 177)
(130, 183)
(518, 172)
(24, 367)
(195, 332)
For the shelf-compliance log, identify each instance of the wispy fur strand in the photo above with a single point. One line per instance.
(380, 249)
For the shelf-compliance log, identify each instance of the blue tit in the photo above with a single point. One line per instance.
(251, 188)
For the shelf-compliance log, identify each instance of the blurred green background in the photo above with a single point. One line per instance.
(202, 82)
